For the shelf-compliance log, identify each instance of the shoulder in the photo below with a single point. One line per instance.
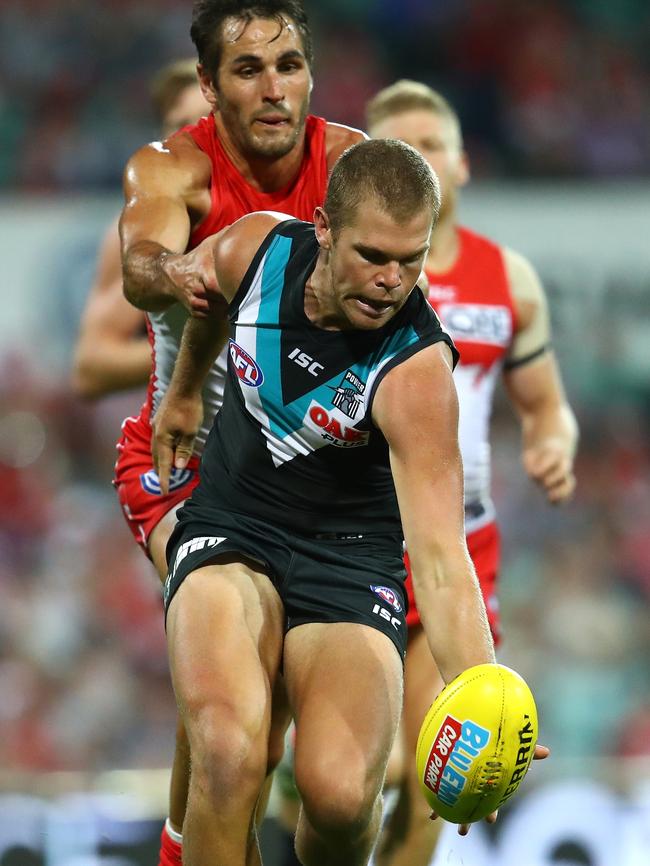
(338, 138)
(235, 246)
(176, 159)
(420, 389)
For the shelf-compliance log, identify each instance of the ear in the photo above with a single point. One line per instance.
(207, 87)
(462, 170)
(322, 228)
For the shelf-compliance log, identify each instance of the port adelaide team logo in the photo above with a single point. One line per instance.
(385, 593)
(245, 366)
(348, 397)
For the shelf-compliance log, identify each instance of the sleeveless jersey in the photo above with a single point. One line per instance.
(294, 443)
(231, 198)
(474, 303)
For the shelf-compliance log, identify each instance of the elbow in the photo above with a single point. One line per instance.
(84, 381)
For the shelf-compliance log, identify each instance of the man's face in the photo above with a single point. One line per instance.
(375, 262)
(189, 106)
(436, 138)
(263, 86)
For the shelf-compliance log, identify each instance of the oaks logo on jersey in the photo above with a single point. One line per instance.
(348, 396)
(388, 595)
(245, 366)
(332, 429)
(481, 323)
(151, 483)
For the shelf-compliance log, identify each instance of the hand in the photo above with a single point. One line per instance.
(549, 465)
(540, 753)
(174, 427)
(193, 278)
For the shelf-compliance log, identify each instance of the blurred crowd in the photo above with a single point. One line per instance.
(552, 88)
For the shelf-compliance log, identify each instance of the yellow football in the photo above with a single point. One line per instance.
(476, 743)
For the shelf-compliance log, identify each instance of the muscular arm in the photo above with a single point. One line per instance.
(416, 408)
(534, 385)
(111, 353)
(163, 184)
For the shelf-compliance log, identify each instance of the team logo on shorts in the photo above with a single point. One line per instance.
(245, 366)
(349, 395)
(178, 477)
(388, 595)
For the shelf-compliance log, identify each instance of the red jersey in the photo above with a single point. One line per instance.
(232, 196)
(474, 303)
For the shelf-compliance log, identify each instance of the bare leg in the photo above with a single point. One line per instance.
(410, 838)
(180, 777)
(224, 631)
(346, 716)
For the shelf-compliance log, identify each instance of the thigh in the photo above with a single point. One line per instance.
(345, 688)
(224, 631)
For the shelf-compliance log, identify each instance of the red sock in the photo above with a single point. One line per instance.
(171, 852)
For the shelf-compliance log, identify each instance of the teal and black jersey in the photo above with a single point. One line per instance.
(294, 442)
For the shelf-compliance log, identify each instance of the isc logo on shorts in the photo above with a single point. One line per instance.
(151, 483)
(245, 366)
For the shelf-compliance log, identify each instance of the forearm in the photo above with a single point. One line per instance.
(109, 366)
(202, 342)
(147, 284)
(452, 611)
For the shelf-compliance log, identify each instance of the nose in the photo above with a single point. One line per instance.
(390, 277)
(273, 91)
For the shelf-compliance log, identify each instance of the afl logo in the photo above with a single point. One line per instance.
(245, 366)
(388, 595)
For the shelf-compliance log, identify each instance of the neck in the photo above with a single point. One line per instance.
(445, 244)
(264, 173)
(319, 306)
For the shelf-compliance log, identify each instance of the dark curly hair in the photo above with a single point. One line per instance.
(208, 17)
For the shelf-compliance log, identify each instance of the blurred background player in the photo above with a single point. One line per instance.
(113, 352)
(259, 149)
(491, 301)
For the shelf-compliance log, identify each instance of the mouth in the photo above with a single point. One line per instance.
(273, 121)
(372, 308)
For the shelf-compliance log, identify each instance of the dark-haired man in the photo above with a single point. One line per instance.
(336, 439)
(259, 149)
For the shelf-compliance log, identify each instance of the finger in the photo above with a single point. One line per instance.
(541, 752)
(492, 817)
(433, 816)
(540, 463)
(163, 459)
(562, 491)
(463, 829)
(183, 451)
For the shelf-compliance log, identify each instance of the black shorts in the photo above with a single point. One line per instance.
(320, 578)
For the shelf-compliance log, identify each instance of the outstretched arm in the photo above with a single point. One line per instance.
(416, 409)
(112, 353)
(534, 385)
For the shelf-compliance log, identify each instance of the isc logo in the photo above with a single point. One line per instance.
(302, 359)
(246, 367)
(387, 615)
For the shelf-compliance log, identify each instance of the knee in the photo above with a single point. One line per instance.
(228, 755)
(338, 797)
(276, 749)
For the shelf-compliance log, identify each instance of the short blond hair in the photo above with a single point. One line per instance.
(169, 82)
(406, 95)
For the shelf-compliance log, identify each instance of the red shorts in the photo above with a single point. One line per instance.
(484, 547)
(137, 483)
